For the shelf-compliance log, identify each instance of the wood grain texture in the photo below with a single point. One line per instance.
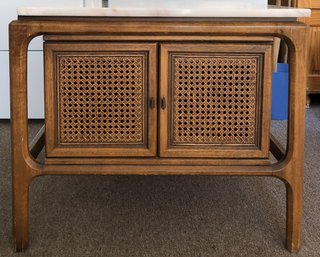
(97, 99)
(148, 36)
(313, 80)
(215, 105)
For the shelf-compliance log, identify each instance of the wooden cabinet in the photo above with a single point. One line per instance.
(213, 99)
(156, 96)
(313, 82)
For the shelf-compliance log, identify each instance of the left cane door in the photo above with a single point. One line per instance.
(100, 99)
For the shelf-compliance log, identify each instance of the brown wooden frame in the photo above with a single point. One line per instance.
(147, 147)
(313, 68)
(24, 166)
(262, 125)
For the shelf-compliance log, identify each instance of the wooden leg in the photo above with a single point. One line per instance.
(24, 168)
(294, 215)
(308, 101)
(20, 209)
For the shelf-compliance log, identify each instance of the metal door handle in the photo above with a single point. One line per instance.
(152, 102)
(163, 103)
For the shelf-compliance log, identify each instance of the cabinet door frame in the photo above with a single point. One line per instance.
(260, 149)
(55, 147)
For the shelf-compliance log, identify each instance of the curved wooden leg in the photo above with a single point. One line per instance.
(294, 215)
(20, 209)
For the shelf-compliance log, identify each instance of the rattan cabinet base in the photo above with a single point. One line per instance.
(156, 97)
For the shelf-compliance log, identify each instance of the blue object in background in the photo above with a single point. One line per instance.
(282, 67)
(279, 100)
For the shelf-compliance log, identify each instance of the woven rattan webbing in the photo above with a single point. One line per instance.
(214, 99)
(101, 99)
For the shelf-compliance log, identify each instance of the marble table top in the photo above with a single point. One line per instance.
(270, 12)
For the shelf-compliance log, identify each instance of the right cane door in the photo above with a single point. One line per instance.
(215, 100)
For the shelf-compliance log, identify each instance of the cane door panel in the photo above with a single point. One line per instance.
(215, 100)
(97, 99)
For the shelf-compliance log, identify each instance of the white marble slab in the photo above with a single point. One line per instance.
(188, 4)
(270, 12)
